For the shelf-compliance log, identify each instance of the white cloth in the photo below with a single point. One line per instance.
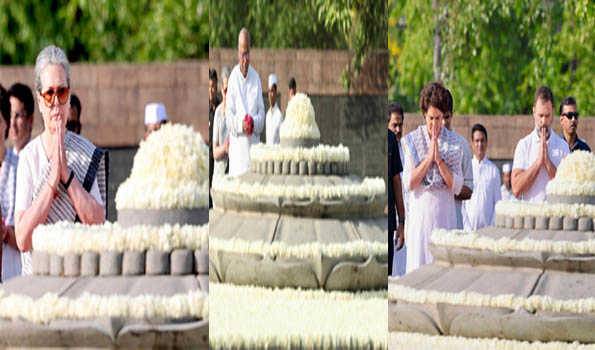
(219, 137)
(244, 96)
(429, 207)
(505, 194)
(467, 176)
(525, 154)
(11, 257)
(155, 113)
(32, 160)
(479, 210)
(274, 118)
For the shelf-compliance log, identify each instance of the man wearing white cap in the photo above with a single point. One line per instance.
(154, 117)
(506, 189)
(274, 116)
(244, 110)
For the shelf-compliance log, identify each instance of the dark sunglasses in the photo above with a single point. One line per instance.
(61, 92)
(571, 115)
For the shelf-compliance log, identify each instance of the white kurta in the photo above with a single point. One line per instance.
(429, 208)
(468, 179)
(272, 124)
(244, 96)
(505, 194)
(479, 211)
(526, 153)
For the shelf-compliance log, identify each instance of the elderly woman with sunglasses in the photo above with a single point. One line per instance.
(58, 171)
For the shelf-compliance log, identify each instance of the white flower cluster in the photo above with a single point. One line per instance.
(533, 303)
(369, 188)
(88, 306)
(524, 208)
(321, 153)
(300, 121)
(245, 317)
(575, 175)
(301, 251)
(405, 340)
(65, 237)
(170, 170)
(471, 240)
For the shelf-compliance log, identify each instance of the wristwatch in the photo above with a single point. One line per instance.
(67, 184)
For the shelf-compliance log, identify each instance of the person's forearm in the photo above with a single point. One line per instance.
(521, 180)
(26, 221)
(219, 152)
(549, 167)
(87, 208)
(465, 194)
(446, 173)
(419, 172)
(398, 191)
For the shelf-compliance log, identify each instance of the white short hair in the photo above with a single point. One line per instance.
(51, 55)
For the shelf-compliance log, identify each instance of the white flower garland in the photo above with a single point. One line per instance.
(509, 301)
(523, 208)
(405, 340)
(321, 153)
(575, 175)
(170, 171)
(300, 121)
(302, 251)
(369, 188)
(471, 240)
(64, 237)
(247, 317)
(52, 307)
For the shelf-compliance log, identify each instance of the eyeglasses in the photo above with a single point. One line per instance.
(61, 92)
(571, 115)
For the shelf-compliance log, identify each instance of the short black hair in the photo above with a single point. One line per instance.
(544, 93)
(395, 107)
(75, 102)
(5, 109)
(24, 94)
(568, 101)
(292, 84)
(449, 101)
(212, 74)
(479, 127)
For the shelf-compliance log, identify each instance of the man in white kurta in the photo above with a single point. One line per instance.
(274, 116)
(506, 188)
(479, 210)
(244, 109)
(538, 154)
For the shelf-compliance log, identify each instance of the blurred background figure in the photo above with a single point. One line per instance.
(74, 117)
(506, 189)
(154, 117)
(220, 134)
(292, 88)
(273, 117)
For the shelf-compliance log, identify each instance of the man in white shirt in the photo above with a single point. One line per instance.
(467, 189)
(538, 154)
(274, 116)
(506, 189)
(244, 108)
(479, 211)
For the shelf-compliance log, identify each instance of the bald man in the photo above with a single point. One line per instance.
(244, 108)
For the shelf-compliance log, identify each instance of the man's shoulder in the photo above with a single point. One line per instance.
(583, 145)
(492, 166)
(253, 73)
(559, 142)
(525, 140)
(29, 148)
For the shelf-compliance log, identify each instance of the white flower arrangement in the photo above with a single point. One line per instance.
(301, 251)
(533, 303)
(170, 170)
(471, 240)
(300, 121)
(405, 340)
(575, 175)
(253, 317)
(523, 208)
(321, 153)
(51, 307)
(368, 188)
(65, 237)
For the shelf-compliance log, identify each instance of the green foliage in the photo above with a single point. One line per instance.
(104, 30)
(495, 54)
(358, 25)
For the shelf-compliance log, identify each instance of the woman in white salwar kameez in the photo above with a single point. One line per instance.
(433, 176)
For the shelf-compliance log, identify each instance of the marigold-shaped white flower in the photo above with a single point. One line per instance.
(300, 121)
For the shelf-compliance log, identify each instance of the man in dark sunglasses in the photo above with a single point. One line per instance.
(569, 122)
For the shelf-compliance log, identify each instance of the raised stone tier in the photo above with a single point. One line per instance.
(302, 168)
(570, 199)
(158, 217)
(284, 251)
(554, 223)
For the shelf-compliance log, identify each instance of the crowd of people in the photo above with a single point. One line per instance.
(437, 182)
(237, 116)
